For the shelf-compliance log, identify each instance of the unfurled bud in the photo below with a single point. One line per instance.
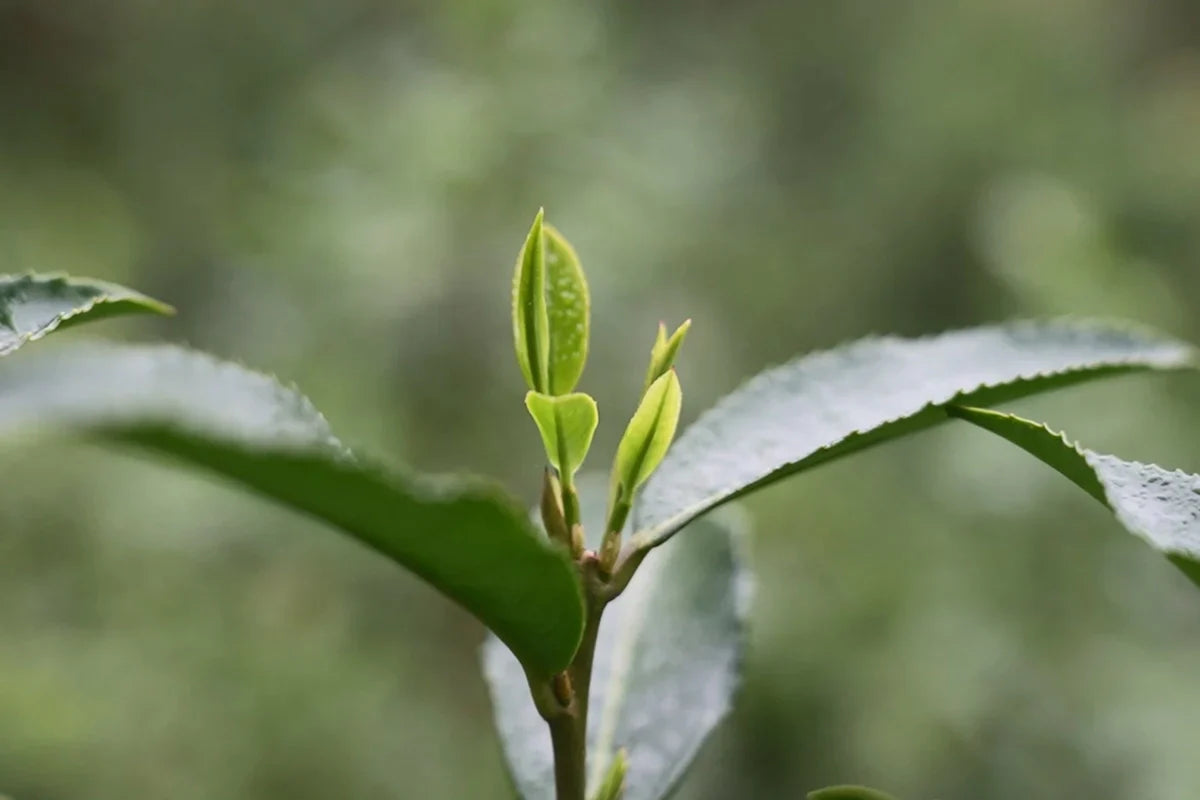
(550, 311)
(662, 355)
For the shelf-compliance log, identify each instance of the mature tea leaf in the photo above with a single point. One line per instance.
(566, 424)
(461, 535)
(826, 405)
(531, 321)
(567, 304)
(1160, 506)
(32, 306)
(668, 662)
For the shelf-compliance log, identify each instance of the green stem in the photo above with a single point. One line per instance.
(568, 730)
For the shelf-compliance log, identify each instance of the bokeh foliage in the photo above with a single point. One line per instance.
(335, 192)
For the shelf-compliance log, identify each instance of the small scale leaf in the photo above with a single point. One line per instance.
(848, 793)
(668, 662)
(649, 433)
(827, 405)
(32, 306)
(613, 785)
(567, 303)
(1160, 506)
(531, 322)
(566, 424)
(662, 355)
(461, 535)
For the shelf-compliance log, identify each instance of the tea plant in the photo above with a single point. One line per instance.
(615, 645)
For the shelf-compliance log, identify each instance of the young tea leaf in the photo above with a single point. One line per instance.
(649, 433)
(662, 355)
(566, 424)
(567, 303)
(848, 793)
(613, 785)
(827, 405)
(667, 664)
(1160, 506)
(460, 535)
(32, 306)
(531, 321)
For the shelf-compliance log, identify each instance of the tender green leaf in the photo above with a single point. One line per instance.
(668, 662)
(567, 424)
(649, 433)
(531, 322)
(826, 405)
(32, 306)
(613, 785)
(848, 793)
(567, 303)
(1160, 506)
(462, 536)
(662, 355)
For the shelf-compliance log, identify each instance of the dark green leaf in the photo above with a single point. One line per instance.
(462, 536)
(667, 664)
(32, 306)
(848, 793)
(826, 405)
(567, 304)
(1160, 506)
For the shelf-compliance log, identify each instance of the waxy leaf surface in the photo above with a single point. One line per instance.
(32, 306)
(829, 404)
(1160, 506)
(462, 536)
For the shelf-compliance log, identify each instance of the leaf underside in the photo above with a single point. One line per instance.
(462, 536)
(1162, 507)
(668, 662)
(32, 306)
(829, 404)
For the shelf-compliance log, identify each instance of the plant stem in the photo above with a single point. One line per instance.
(568, 730)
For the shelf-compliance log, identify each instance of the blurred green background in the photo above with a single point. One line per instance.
(335, 192)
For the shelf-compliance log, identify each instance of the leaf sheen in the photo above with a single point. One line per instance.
(828, 404)
(32, 306)
(462, 536)
(1161, 507)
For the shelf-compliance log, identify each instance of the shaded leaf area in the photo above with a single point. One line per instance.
(1160, 506)
(848, 793)
(461, 535)
(829, 404)
(32, 306)
(668, 662)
